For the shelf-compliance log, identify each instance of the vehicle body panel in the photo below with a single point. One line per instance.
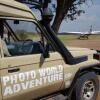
(71, 70)
(14, 9)
(27, 64)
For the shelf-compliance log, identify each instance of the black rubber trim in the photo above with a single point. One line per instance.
(13, 70)
(96, 56)
(79, 59)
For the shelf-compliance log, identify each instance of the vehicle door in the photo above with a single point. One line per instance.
(25, 73)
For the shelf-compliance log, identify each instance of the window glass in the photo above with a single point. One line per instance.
(28, 36)
(25, 30)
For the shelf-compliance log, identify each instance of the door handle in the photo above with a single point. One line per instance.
(13, 70)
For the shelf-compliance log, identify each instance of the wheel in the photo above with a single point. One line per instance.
(86, 88)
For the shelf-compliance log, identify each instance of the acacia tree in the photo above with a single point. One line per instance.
(66, 9)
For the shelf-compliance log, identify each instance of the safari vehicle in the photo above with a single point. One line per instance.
(35, 64)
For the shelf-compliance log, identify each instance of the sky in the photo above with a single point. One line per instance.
(83, 23)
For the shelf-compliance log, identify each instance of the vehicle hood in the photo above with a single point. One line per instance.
(76, 52)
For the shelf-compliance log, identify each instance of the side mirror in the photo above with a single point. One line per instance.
(46, 52)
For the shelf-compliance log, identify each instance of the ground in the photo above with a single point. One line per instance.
(93, 44)
(72, 40)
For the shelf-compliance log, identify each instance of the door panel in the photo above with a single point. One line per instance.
(31, 76)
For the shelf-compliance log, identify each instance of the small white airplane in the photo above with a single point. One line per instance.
(84, 33)
(80, 33)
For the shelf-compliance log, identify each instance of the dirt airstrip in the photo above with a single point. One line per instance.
(93, 44)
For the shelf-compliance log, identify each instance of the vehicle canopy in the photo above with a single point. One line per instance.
(12, 8)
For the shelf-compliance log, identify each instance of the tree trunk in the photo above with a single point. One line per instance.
(62, 10)
(59, 16)
(57, 22)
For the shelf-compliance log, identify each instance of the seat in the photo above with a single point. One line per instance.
(5, 49)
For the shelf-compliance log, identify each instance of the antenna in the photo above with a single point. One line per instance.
(91, 28)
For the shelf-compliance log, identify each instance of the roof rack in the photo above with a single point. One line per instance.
(33, 4)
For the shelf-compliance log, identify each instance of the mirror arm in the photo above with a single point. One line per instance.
(46, 52)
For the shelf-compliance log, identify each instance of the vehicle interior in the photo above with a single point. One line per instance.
(13, 45)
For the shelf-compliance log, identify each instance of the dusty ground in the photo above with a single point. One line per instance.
(93, 44)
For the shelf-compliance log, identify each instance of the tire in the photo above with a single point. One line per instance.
(82, 90)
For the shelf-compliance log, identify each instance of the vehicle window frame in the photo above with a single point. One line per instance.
(40, 28)
(15, 33)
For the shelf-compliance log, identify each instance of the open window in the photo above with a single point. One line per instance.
(22, 38)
